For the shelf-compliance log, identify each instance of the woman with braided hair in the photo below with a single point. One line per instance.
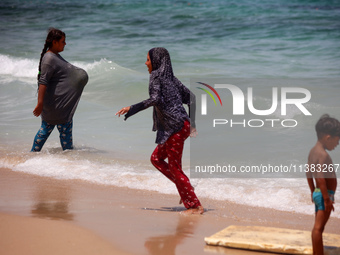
(171, 121)
(60, 87)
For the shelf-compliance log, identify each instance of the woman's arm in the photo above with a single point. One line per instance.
(154, 92)
(41, 94)
(189, 99)
(154, 99)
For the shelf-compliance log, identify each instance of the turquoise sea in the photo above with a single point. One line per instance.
(275, 41)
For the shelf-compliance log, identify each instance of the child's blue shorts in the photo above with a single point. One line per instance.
(319, 201)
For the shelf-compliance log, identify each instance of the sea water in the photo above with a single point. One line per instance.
(276, 41)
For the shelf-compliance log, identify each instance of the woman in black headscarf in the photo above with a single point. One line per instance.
(171, 121)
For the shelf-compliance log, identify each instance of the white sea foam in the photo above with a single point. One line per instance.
(18, 67)
(282, 194)
(28, 68)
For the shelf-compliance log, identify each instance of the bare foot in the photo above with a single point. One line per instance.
(198, 210)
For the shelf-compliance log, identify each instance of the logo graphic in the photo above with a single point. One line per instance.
(204, 97)
(239, 99)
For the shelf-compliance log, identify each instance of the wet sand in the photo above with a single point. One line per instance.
(121, 220)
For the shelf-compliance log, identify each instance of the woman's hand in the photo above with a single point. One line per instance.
(37, 110)
(41, 94)
(123, 111)
(193, 132)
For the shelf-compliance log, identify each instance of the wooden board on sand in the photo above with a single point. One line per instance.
(278, 240)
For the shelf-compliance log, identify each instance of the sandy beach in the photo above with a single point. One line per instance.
(40, 215)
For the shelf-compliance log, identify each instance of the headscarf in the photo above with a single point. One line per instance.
(161, 64)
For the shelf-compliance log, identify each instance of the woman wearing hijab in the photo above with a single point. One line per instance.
(171, 121)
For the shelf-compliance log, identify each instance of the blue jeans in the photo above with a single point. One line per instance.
(46, 129)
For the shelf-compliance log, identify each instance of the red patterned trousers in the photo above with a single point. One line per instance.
(173, 149)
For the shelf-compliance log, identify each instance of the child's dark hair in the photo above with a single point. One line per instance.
(53, 35)
(327, 125)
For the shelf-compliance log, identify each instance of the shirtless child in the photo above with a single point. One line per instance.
(320, 168)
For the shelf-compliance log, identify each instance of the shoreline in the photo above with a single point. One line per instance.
(136, 221)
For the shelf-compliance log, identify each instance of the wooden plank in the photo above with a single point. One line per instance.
(277, 240)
